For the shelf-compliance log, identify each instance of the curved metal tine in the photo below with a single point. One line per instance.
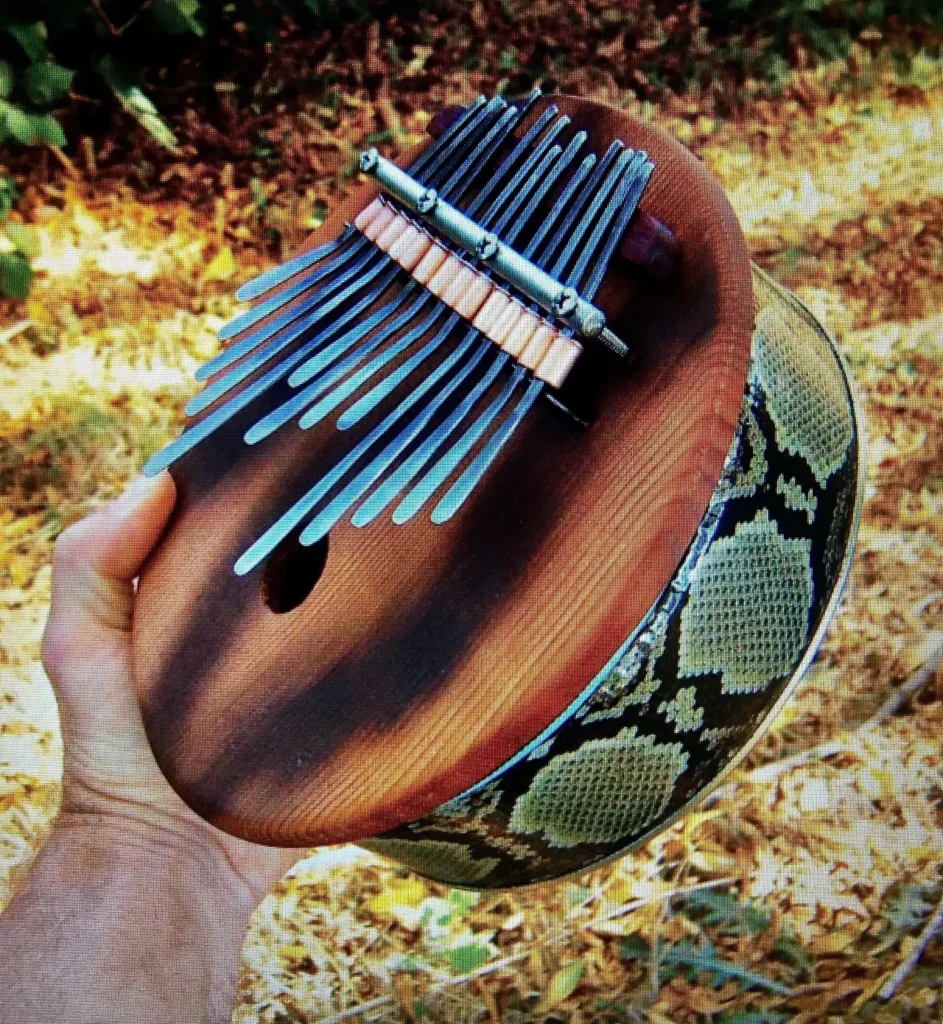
(280, 529)
(521, 148)
(516, 191)
(264, 353)
(544, 177)
(603, 221)
(431, 482)
(620, 209)
(467, 172)
(323, 522)
(544, 182)
(537, 155)
(590, 214)
(465, 141)
(491, 450)
(338, 272)
(455, 496)
(567, 208)
(376, 394)
(374, 337)
(619, 228)
(369, 254)
(345, 390)
(270, 279)
(392, 315)
(388, 490)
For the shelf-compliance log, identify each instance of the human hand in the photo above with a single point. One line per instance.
(111, 780)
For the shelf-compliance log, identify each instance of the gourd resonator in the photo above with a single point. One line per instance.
(490, 248)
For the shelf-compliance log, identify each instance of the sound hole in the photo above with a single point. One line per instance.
(291, 573)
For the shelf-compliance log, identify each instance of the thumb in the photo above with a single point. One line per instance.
(94, 564)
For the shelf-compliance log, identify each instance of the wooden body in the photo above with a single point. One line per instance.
(427, 655)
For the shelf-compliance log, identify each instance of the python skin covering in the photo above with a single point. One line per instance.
(714, 659)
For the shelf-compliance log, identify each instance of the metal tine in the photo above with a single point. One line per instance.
(377, 328)
(263, 354)
(543, 178)
(325, 519)
(619, 209)
(274, 277)
(390, 488)
(619, 201)
(540, 248)
(458, 179)
(199, 431)
(271, 278)
(521, 148)
(428, 485)
(364, 275)
(604, 197)
(205, 427)
(539, 152)
(390, 382)
(516, 192)
(559, 215)
(544, 184)
(622, 222)
(466, 141)
(391, 312)
(286, 523)
(455, 497)
(334, 399)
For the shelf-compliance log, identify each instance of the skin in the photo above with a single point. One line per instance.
(135, 909)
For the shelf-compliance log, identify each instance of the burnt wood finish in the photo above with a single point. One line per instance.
(426, 656)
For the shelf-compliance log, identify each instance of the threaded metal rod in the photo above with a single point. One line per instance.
(519, 272)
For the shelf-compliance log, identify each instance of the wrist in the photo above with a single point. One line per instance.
(124, 922)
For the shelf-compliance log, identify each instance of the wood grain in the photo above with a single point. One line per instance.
(426, 655)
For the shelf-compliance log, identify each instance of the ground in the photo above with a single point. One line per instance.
(794, 893)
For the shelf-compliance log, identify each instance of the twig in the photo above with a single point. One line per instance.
(772, 771)
(70, 167)
(496, 965)
(927, 934)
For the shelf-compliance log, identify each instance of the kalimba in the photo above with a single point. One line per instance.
(494, 550)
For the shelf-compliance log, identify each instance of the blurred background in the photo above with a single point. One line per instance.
(156, 153)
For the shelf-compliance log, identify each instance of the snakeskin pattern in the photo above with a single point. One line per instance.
(714, 659)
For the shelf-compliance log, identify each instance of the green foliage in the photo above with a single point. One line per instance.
(906, 910)
(730, 915)
(16, 274)
(757, 33)
(704, 958)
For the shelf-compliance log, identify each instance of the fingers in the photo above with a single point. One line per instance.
(94, 564)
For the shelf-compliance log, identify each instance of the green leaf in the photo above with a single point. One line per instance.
(7, 79)
(634, 947)
(726, 912)
(9, 194)
(46, 81)
(562, 985)
(24, 238)
(31, 37)
(121, 82)
(704, 959)
(178, 16)
(31, 129)
(907, 909)
(789, 949)
(16, 275)
(467, 958)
